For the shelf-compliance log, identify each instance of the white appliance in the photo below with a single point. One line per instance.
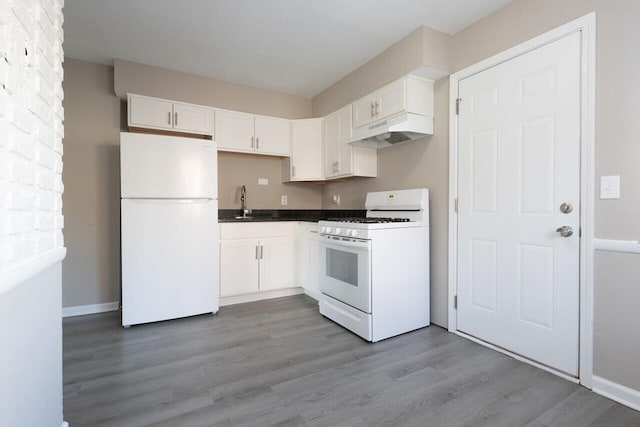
(374, 271)
(393, 130)
(169, 227)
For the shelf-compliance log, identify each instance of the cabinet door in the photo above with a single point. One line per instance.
(363, 111)
(273, 136)
(306, 150)
(277, 265)
(193, 119)
(238, 267)
(391, 99)
(331, 137)
(313, 281)
(345, 151)
(234, 131)
(150, 113)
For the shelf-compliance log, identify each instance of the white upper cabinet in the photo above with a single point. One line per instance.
(273, 136)
(305, 163)
(342, 159)
(408, 94)
(234, 131)
(248, 133)
(154, 113)
(150, 112)
(192, 118)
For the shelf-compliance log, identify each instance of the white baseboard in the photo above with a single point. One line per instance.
(65, 424)
(313, 294)
(239, 299)
(618, 392)
(81, 310)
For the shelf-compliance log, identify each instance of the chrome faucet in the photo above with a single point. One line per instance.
(243, 199)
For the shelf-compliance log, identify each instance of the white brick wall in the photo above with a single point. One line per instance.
(31, 129)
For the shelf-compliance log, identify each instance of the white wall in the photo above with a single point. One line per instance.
(31, 244)
(31, 356)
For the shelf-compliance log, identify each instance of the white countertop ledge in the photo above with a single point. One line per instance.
(15, 276)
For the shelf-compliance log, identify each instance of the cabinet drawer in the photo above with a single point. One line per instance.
(257, 230)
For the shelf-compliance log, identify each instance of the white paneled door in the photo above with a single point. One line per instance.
(518, 185)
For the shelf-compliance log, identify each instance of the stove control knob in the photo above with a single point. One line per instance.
(347, 232)
(354, 233)
(338, 230)
(328, 229)
(323, 229)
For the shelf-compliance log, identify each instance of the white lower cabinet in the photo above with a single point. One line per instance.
(239, 267)
(308, 251)
(257, 257)
(277, 263)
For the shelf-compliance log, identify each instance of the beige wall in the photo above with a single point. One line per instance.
(91, 199)
(131, 77)
(89, 135)
(422, 163)
(616, 332)
(617, 96)
(617, 349)
(235, 170)
(94, 118)
(423, 47)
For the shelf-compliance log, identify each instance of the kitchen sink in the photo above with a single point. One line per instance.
(251, 218)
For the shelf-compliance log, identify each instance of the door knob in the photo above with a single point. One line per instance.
(565, 231)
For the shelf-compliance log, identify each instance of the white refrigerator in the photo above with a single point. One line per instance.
(169, 227)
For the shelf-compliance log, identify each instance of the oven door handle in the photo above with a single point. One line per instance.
(344, 243)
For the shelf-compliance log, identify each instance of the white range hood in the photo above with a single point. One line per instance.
(393, 130)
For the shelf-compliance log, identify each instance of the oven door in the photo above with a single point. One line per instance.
(345, 270)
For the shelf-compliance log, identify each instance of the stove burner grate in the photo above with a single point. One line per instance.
(369, 220)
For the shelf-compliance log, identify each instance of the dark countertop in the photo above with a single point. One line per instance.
(269, 215)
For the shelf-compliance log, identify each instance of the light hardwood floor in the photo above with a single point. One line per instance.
(279, 362)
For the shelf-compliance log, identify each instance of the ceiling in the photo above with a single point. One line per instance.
(299, 47)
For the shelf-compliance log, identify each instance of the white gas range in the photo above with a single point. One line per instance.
(374, 271)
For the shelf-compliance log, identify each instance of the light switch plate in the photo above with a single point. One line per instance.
(610, 187)
(263, 181)
(284, 201)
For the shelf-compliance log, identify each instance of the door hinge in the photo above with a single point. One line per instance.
(455, 205)
(455, 302)
(458, 106)
(579, 231)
